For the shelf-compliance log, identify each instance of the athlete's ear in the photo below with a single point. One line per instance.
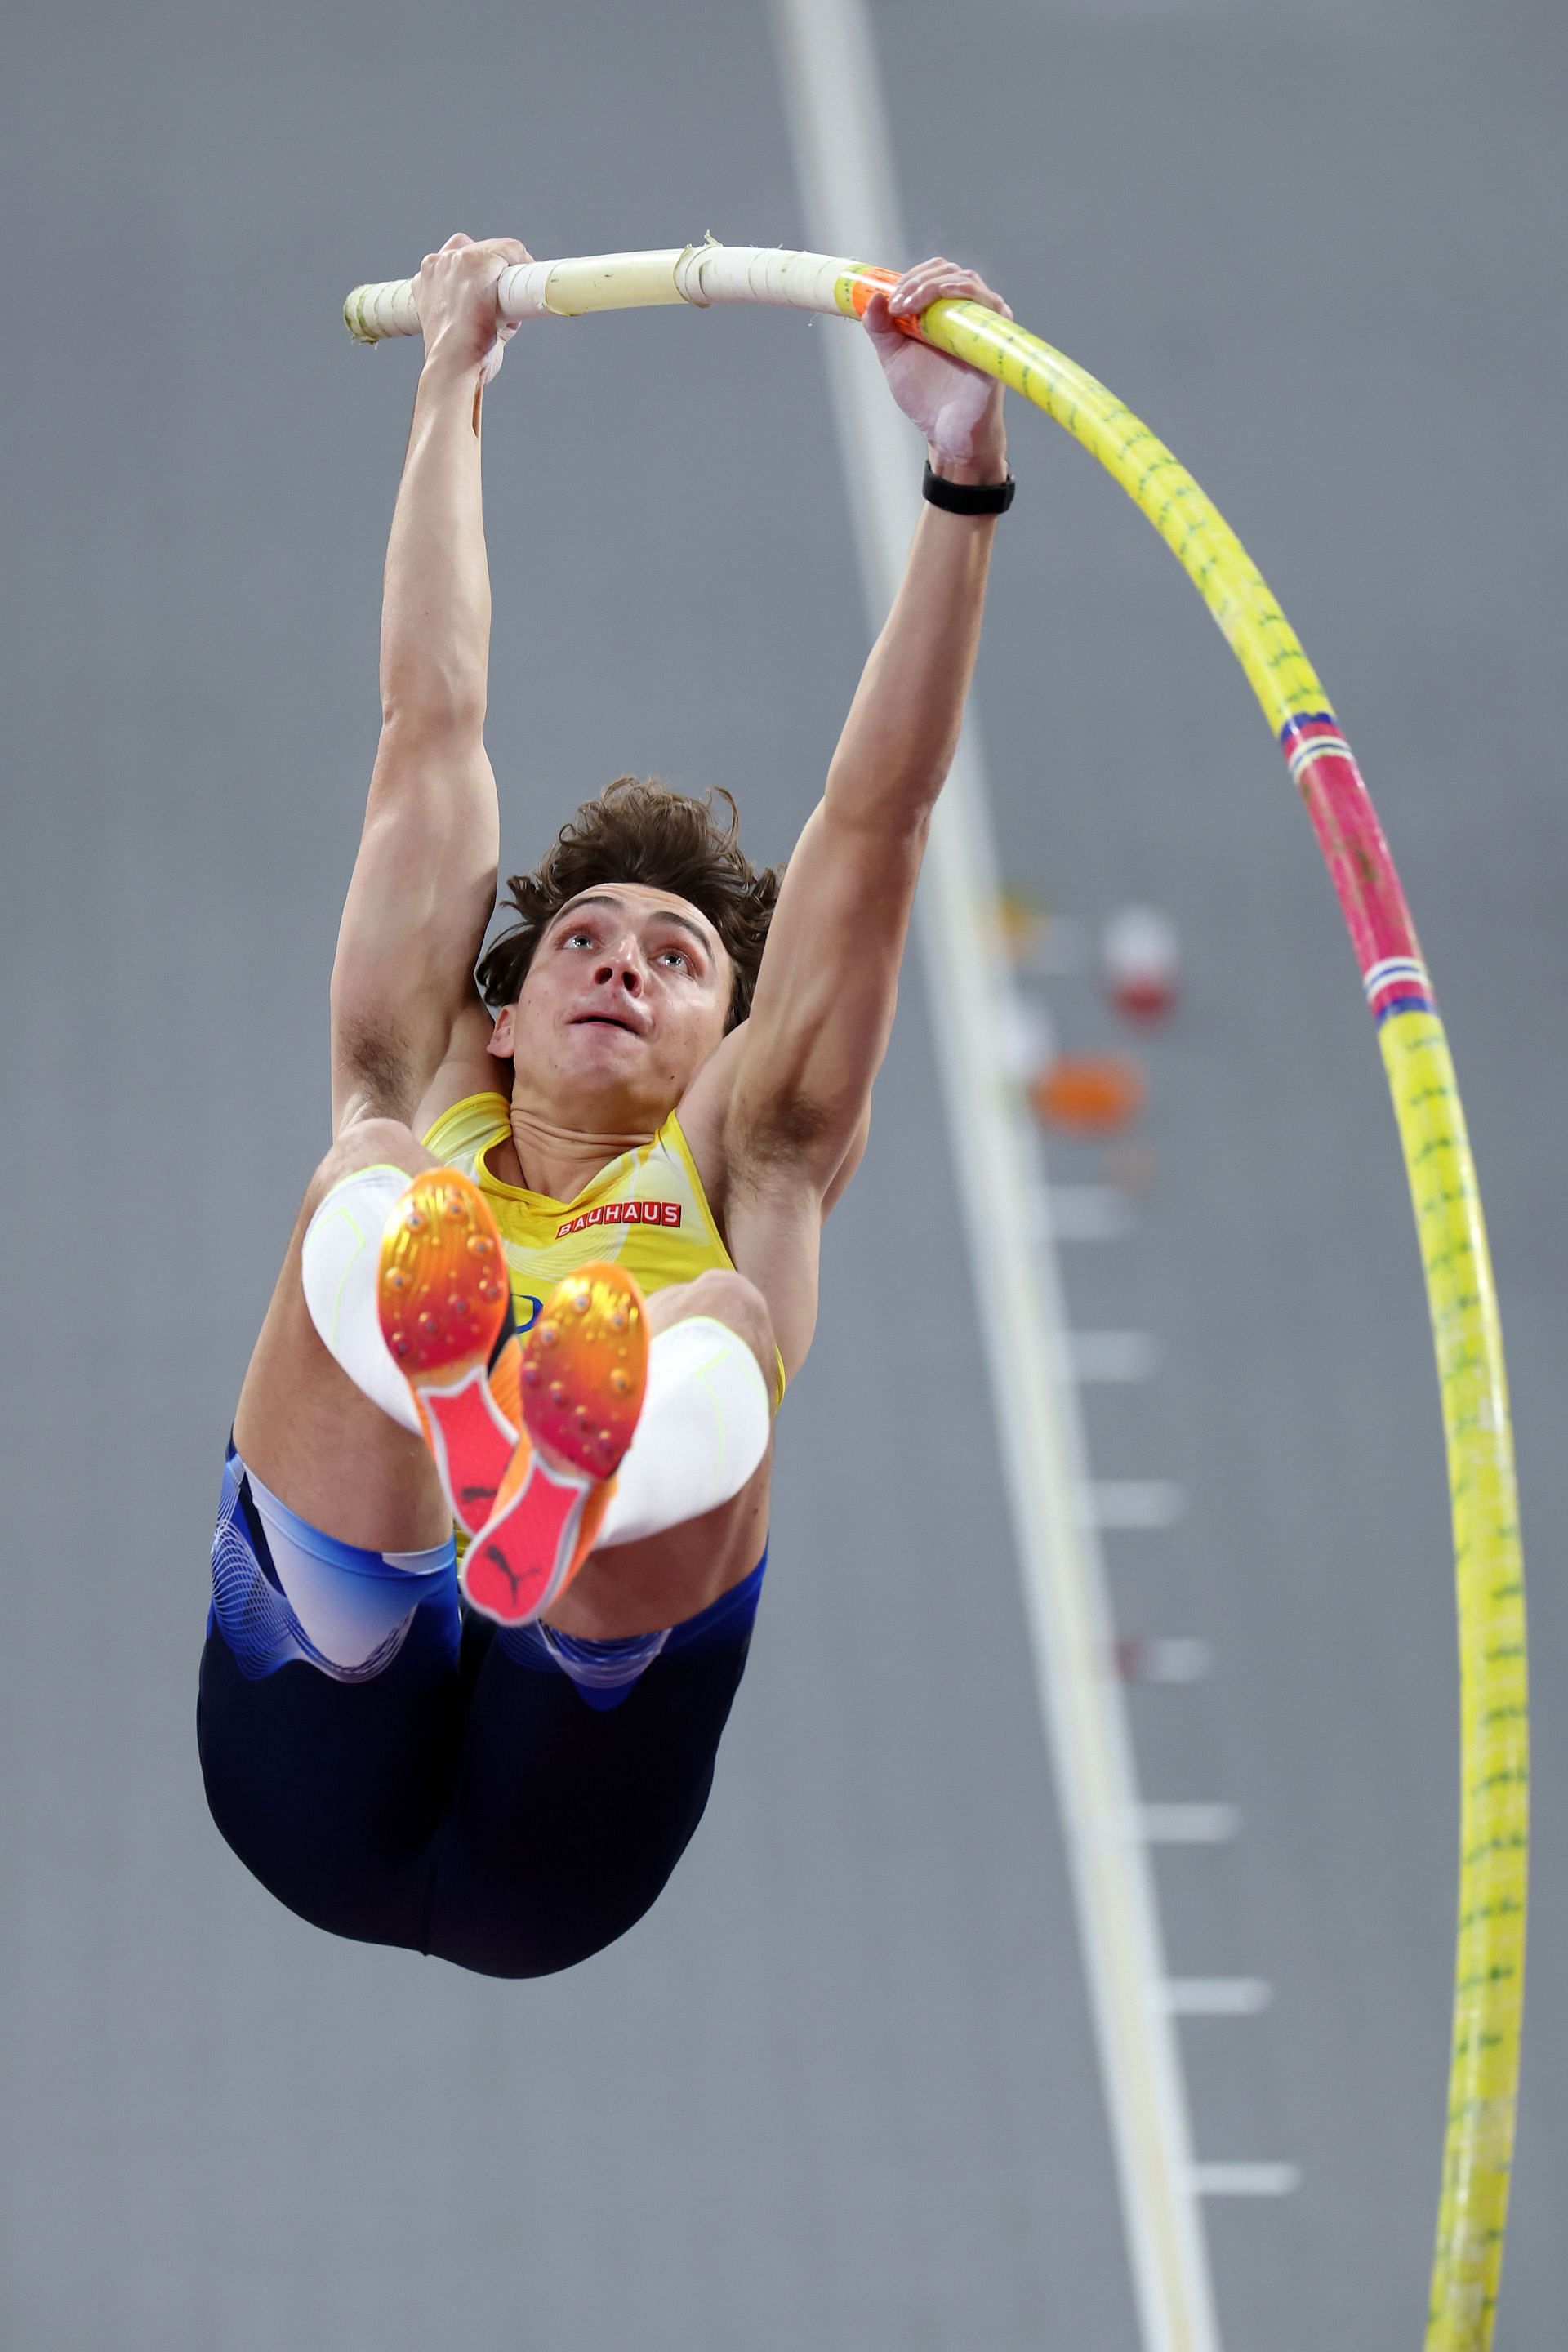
(501, 1035)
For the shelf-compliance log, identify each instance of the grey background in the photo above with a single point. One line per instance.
(836, 2089)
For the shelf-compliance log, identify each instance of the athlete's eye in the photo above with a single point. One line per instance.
(676, 956)
(579, 938)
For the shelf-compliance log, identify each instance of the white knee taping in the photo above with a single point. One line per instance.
(338, 1265)
(702, 1430)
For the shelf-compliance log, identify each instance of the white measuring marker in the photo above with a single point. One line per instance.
(1164, 1658)
(1114, 1356)
(1216, 1996)
(1132, 1504)
(1188, 1824)
(1246, 2179)
(1082, 1212)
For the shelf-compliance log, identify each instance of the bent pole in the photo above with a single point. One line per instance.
(1461, 1299)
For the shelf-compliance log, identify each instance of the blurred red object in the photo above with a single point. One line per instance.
(1091, 1094)
(1142, 963)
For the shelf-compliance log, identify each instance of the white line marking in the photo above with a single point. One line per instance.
(1114, 1355)
(1119, 1504)
(844, 163)
(1246, 2179)
(1216, 1996)
(1078, 1213)
(1188, 1824)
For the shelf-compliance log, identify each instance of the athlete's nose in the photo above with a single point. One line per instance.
(623, 966)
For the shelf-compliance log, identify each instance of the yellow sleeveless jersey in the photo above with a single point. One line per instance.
(646, 1211)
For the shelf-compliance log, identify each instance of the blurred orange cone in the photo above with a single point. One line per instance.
(1089, 1094)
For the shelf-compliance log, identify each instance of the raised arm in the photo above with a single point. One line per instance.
(825, 992)
(424, 882)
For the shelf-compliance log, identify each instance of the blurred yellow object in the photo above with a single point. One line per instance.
(1020, 924)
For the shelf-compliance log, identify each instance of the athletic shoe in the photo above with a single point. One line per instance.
(584, 1368)
(445, 1313)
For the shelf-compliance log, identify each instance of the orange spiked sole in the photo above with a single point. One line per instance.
(443, 1294)
(584, 1368)
(584, 1372)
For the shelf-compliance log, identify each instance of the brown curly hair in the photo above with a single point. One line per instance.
(638, 830)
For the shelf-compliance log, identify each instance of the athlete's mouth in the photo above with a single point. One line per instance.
(605, 1021)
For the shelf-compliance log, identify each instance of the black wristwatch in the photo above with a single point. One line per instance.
(968, 498)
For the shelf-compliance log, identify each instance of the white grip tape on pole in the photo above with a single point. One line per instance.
(758, 273)
(604, 281)
(698, 274)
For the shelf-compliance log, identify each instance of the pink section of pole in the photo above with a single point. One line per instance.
(1323, 769)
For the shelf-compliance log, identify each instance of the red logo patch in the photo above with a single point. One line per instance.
(623, 1213)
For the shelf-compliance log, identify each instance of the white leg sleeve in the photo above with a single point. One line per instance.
(338, 1265)
(704, 1429)
(348, 1602)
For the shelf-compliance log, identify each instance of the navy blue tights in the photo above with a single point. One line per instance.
(466, 1799)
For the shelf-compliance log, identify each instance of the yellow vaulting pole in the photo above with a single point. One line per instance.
(1461, 1299)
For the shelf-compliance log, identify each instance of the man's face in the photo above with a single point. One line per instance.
(625, 998)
